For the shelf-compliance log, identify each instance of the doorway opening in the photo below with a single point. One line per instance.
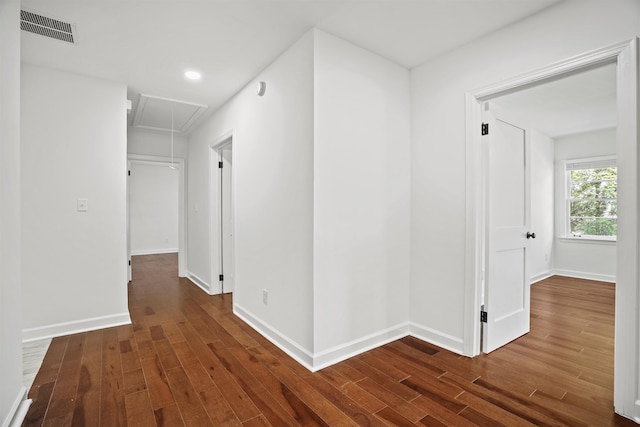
(155, 216)
(624, 56)
(222, 197)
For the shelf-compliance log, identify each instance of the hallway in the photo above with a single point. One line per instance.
(187, 360)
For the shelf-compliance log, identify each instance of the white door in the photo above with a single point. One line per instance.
(226, 215)
(507, 293)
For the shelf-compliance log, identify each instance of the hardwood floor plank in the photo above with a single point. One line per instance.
(168, 416)
(342, 401)
(362, 397)
(87, 405)
(157, 384)
(186, 359)
(441, 414)
(41, 397)
(50, 368)
(139, 411)
(393, 418)
(112, 408)
(134, 381)
(193, 414)
(66, 388)
(217, 407)
(380, 378)
(408, 409)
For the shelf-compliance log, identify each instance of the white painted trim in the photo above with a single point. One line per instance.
(585, 275)
(182, 194)
(473, 229)
(627, 324)
(627, 330)
(295, 351)
(541, 276)
(437, 338)
(202, 284)
(74, 327)
(155, 251)
(347, 350)
(18, 410)
(561, 69)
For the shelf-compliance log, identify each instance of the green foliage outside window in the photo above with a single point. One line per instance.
(593, 205)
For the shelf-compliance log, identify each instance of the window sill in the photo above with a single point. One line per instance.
(588, 240)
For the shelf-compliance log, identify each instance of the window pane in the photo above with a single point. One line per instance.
(594, 189)
(593, 208)
(594, 226)
(592, 200)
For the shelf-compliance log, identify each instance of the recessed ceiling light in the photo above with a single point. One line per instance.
(192, 75)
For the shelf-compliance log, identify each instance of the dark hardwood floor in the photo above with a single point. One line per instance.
(187, 360)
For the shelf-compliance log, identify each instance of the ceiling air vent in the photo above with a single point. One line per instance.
(46, 26)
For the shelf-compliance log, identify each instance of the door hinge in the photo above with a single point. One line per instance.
(221, 277)
(483, 316)
(220, 165)
(129, 263)
(129, 173)
(485, 129)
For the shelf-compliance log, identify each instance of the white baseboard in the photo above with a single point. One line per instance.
(199, 283)
(299, 354)
(18, 410)
(74, 327)
(342, 352)
(316, 361)
(154, 251)
(583, 275)
(541, 276)
(437, 338)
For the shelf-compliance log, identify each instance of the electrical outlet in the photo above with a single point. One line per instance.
(265, 296)
(83, 205)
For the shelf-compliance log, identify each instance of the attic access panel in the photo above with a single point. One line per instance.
(154, 112)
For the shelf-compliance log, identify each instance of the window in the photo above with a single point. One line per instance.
(592, 208)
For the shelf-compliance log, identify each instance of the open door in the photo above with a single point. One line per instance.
(226, 219)
(129, 276)
(507, 196)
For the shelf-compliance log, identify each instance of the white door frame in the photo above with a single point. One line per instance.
(182, 227)
(627, 327)
(215, 223)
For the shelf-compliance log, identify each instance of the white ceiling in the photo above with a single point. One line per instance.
(149, 44)
(578, 103)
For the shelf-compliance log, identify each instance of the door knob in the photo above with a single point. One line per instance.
(531, 235)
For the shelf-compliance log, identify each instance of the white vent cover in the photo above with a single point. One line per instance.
(154, 112)
(36, 23)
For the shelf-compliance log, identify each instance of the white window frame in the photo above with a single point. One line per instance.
(567, 166)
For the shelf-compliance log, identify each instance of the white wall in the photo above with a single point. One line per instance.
(150, 143)
(594, 260)
(438, 138)
(322, 199)
(11, 390)
(542, 206)
(273, 173)
(153, 196)
(74, 264)
(361, 198)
